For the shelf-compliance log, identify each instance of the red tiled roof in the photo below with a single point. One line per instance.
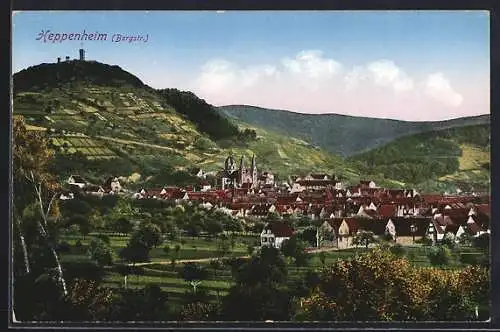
(484, 209)
(280, 229)
(387, 210)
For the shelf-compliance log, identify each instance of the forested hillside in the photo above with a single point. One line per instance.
(339, 134)
(457, 155)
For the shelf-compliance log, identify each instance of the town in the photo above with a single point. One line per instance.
(340, 211)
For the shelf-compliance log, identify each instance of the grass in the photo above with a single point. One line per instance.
(472, 157)
(163, 274)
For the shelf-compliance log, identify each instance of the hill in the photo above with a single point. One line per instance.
(339, 134)
(104, 121)
(448, 159)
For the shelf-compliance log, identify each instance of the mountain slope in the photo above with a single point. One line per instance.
(104, 121)
(451, 158)
(340, 134)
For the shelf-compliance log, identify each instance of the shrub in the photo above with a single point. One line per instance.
(448, 240)
(439, 255)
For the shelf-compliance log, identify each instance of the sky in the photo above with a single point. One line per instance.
(405, 65)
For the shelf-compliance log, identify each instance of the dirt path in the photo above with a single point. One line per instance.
(195, 260)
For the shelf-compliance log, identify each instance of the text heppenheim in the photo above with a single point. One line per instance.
(48, 36)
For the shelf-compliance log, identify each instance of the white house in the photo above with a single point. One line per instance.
(78, 181)
(390, 229)
(274, 234)
(65, 197)
(343, 238)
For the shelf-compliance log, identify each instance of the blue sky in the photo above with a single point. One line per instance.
(414, 65)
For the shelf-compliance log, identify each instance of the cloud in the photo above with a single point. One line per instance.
(438, 87)
(219, 75)
(382, 73)
(311, 82)
(311, 64)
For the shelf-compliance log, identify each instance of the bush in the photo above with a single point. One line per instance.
(440, 255)
(448, 240)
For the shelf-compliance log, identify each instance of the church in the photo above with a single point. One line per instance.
(240, 177)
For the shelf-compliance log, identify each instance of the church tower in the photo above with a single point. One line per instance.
(242, 171)
(254, 172)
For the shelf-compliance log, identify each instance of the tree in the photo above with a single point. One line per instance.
(166, 249)
(439, 255)
(135, 252)
(322, 258)
(122, 225)
(364, 238)
(213, 226)
(260, 291)
(199, 311)
(308, 235)
(33, 184)
(223, 245)
(380, 286)
(100, 252)
(296, 249)
(215, 264)
(88, 301)
(194, 274)
(149, 234)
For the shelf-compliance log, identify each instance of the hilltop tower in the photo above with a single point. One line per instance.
(82, 54)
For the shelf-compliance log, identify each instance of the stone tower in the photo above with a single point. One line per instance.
(82, 54)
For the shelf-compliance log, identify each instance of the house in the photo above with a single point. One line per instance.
(66, 196)
(274, 234)
(347, 229)
(367, 184)
(78, 181)
(390, 229)
(326, 234)
(95, 190)
(198, 172)
(112, 184)
(205, 186)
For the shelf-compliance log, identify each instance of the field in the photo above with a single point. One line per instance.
(161, 272)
